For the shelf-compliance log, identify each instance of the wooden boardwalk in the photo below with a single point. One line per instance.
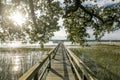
(60, 67)
(59, 64)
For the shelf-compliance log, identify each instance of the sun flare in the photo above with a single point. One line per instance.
(17, 18)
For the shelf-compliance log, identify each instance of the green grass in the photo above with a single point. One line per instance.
(103, 60)
(23, 49)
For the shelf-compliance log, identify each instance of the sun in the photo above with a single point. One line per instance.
(17, 18)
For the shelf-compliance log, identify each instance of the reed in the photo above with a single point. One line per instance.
(15, 61)
(102, 59)
(25, 49)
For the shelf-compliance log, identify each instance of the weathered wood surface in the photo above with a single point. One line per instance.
(60, 67)
(59, 64)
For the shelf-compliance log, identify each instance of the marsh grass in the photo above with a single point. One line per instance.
(23, 49)
(102, 59)
(15, 61)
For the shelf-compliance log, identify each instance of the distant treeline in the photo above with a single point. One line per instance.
(104, 41)
(87, 40)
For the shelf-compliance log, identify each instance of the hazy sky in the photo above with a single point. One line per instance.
(112, 36)
(61, 34)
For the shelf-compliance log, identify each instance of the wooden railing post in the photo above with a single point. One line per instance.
(54, 52)
(36, 76)
(49, 66)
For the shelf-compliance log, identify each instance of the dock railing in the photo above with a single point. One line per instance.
(37, 71)
(80, 70)
(40, 69)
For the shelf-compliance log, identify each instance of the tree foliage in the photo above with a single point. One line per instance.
(46, 22)
(79, 18)
(42, 19)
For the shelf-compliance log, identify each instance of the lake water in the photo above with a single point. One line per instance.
(13, 65)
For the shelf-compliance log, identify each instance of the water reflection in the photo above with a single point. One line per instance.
(16, 64)
(0, 69)
(16, 68)
(13, 65)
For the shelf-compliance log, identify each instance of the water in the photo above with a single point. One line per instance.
(14, 64)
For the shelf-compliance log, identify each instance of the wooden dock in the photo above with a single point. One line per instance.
(60, 67)
(59, 64)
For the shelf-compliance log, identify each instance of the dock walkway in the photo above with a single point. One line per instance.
(59, 64)
(60, 67)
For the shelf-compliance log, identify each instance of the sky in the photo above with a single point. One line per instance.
(102, 2)
(61, 34)
(111, 36)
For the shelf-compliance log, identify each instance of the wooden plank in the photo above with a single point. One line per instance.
(60, 67)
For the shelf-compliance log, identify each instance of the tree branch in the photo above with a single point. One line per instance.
(78, 5)
(90, 13)
(33, 13)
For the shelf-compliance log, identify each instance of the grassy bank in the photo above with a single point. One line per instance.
(23, 49)
(103, 60)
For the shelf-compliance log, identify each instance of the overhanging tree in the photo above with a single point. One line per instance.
(42, 20)
(46, 22)
(79, 17)
(44, 14)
